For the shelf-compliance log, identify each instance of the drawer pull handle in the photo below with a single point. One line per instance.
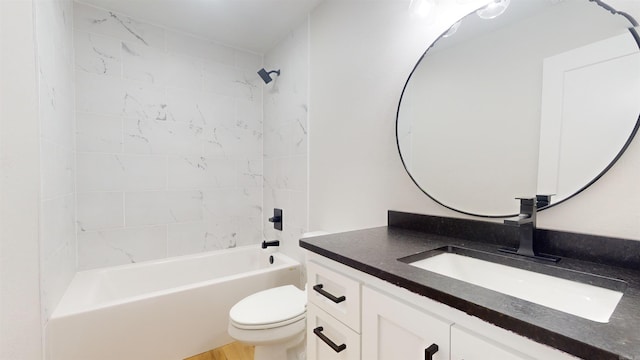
(331, 297)
(323, 337)
(428, 352)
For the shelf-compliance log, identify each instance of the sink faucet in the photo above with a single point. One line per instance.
(526, 223)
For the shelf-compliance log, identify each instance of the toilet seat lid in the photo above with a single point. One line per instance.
(269, 306)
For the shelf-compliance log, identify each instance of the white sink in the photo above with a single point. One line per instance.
(583, 300)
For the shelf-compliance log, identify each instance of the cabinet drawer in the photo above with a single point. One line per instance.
(324, 333)
(334, 293)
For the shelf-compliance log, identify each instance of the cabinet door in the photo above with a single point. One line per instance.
(469, 346)
(487, 344)
(393, 330)
(324, 333)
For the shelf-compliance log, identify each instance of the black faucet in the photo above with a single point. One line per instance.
(543, 200)
(266, 244)
(276, 219)
(526, 223)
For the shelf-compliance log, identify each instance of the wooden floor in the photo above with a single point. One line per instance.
(233, 351)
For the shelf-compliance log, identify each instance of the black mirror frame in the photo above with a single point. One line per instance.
(636, 37)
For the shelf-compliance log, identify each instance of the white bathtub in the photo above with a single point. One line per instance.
(166, 309)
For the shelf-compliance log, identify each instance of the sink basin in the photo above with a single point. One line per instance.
(595, 298)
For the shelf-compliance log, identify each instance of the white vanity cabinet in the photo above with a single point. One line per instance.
(392, 330)
(467, 345)
(391, 323)
(333, 314)
(401, 325)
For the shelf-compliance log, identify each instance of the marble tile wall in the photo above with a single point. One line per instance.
(54, 39)
(169, 142)
(285, 139)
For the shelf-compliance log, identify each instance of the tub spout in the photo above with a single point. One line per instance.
(266, 244)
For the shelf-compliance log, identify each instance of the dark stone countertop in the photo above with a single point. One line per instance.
(375, 252)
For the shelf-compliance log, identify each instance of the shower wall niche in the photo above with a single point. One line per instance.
(169, 142)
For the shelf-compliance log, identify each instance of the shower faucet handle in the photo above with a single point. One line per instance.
(276, 219)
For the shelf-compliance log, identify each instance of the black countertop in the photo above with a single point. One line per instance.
(376, 252)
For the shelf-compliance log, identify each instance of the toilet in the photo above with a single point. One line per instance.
(274, 320)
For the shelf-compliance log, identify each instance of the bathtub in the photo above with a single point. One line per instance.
(166, 309)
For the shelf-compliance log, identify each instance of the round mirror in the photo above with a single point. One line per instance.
(540, 100)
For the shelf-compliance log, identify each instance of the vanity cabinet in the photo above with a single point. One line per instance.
(380, 321)
(392, 330)
(333, 314)
(467, 345)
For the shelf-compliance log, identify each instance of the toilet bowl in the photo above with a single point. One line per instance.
(274, 320)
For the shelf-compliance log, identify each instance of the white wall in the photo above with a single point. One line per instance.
(169, 139)
(285, 140)
(38, 243)
(361, 54)
(20, 325)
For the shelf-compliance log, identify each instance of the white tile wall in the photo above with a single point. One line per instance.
(285, 140)
(120, 172)
(58, 219)
(103, 57)
(142, 136)
(189, 238)
(191, 46)
(54, 38)
(98, 133)
(98, 21)
(58, 270)
(57, 168)
(100, 210)
(140, 62)
(186, 238)
(121, 246)
(169, 141)
(162, 207)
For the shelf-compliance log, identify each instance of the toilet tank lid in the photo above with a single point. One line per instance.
(270, 306)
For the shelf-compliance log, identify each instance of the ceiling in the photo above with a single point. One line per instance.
(255, 25)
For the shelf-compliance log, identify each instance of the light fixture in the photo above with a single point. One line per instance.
(422, 8)
(493, 9)
(452, 30)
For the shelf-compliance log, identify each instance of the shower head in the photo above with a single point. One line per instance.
(266, 76)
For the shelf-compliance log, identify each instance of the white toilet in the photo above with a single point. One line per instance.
(274, 320)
